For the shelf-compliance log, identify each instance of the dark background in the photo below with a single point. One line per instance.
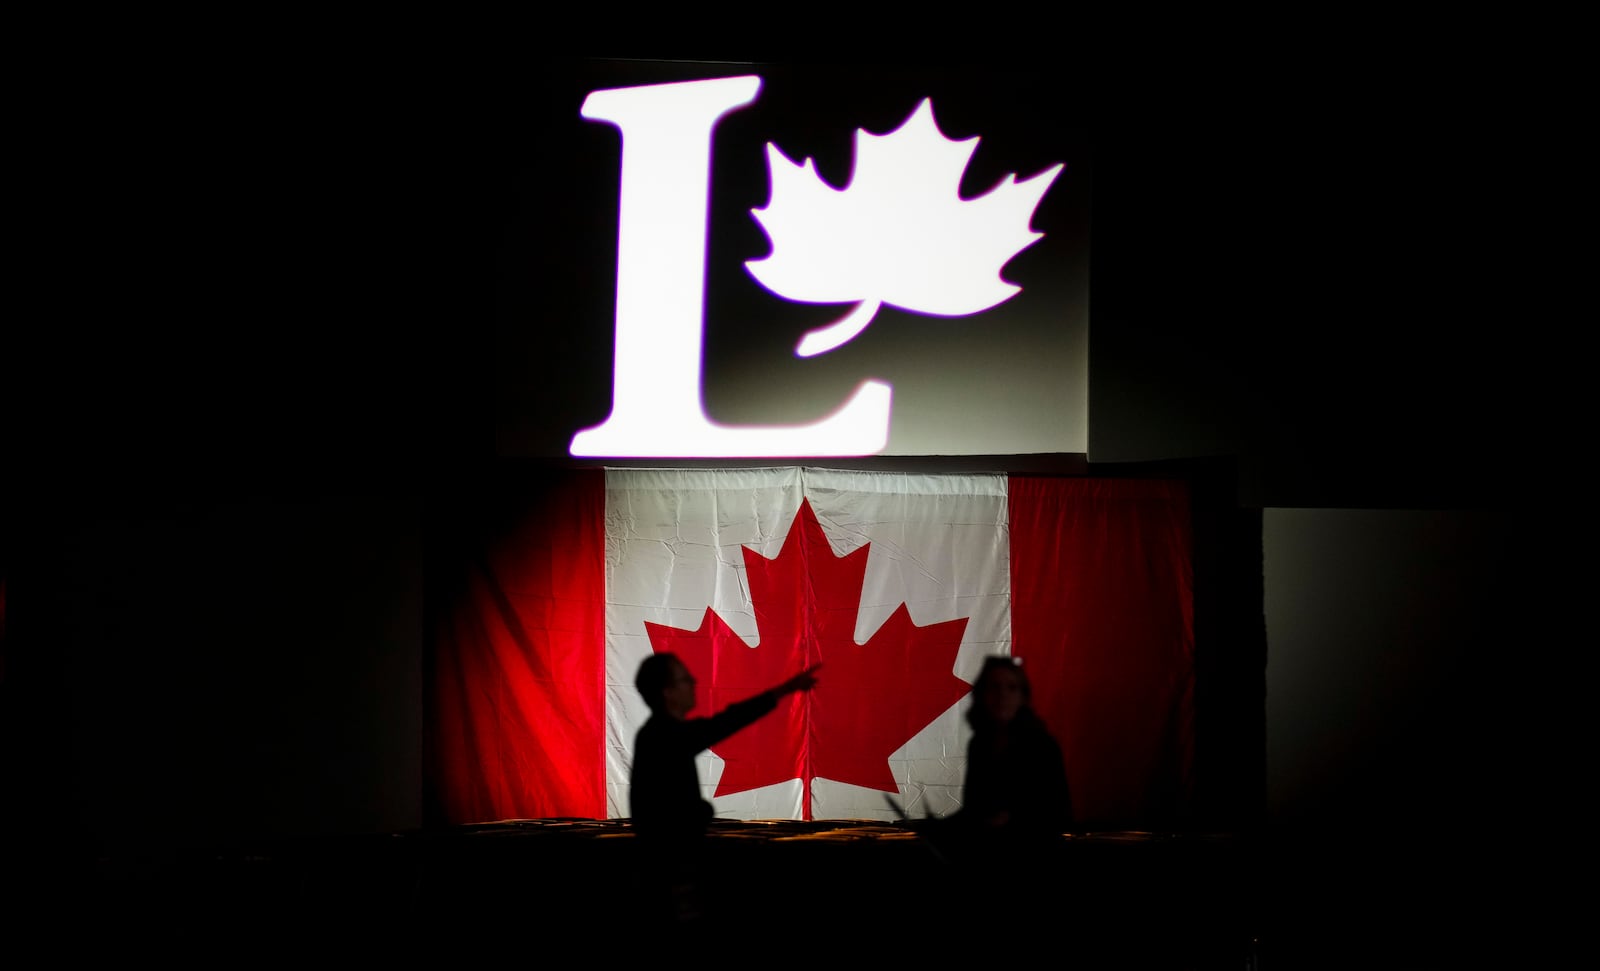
(306, 269)
(251, 382)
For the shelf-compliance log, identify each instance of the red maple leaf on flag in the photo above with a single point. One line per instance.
(870, 698)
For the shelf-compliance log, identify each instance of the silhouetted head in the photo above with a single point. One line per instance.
(1000, 692)
(666, 684)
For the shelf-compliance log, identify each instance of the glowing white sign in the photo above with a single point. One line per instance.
(897, 234)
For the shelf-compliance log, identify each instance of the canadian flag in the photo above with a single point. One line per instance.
(897, 584)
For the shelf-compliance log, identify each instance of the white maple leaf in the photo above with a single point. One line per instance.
(898, 233)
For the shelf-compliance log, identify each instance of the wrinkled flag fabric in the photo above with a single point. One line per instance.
(898, 584)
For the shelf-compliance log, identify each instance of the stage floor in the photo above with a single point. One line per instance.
(841, 887)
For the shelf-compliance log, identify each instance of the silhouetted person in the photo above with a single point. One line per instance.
(669, 813)
(1015, 798)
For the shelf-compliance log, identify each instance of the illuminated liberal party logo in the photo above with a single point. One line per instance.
(898, 234)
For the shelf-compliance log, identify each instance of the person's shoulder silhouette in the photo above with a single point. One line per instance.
(1015, 789)
(668, 811)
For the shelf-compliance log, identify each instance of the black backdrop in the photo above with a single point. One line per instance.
(269, 291)
(300, 270)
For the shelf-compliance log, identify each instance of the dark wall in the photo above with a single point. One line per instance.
(261, 368)
(298, 273)
(185, 671)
